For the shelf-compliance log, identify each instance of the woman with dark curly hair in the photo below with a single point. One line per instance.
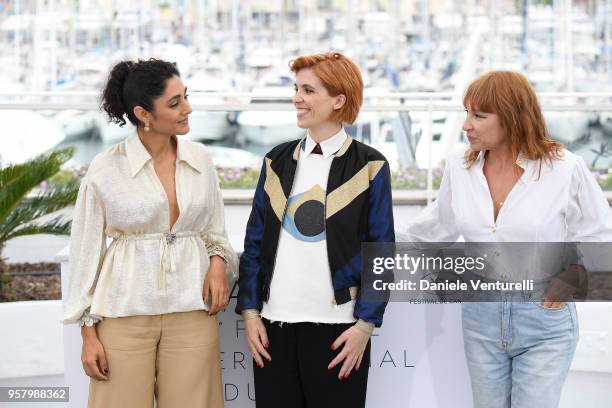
(146, 302)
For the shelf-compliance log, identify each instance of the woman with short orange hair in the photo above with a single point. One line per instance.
(317, 200)
(515, 184)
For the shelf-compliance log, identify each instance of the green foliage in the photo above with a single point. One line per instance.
(20, 211)
(411, 178)
(604, 179)
(235, 177)
(408, 178)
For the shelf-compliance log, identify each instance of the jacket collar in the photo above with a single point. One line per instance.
(328, 146)
(346, 142)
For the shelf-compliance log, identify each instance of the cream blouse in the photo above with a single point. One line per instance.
(148, 268)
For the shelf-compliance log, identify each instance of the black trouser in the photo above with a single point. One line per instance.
(298, 376)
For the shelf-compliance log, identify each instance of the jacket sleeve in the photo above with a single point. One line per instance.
(249, 276)
(380, 230)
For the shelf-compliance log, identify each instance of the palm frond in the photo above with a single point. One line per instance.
(14, 171)
(17, 181)
(54, 199)
(57, 226)
(29, 210)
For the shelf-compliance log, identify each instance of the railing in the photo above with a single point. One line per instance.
(239, 101)
(374, 101)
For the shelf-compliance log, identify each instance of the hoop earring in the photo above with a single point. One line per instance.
(146, 127)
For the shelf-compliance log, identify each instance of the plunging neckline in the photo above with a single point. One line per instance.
(506, 200)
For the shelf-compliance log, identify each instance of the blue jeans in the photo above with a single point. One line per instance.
(518, 352)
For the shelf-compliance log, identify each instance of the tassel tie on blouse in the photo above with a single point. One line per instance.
(166, 240)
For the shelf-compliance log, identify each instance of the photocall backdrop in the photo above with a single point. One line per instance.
(417, 359)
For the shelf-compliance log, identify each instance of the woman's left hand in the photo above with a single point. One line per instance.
(355, 342)
(557, 293)
(215, 286)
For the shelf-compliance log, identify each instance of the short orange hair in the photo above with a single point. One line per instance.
(510, 95)
(340, 76)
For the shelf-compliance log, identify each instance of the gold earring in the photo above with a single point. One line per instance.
(146, 127)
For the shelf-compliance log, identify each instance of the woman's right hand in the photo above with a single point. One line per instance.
(257, 338)
(93, 356)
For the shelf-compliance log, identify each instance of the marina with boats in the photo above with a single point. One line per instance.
(416, 59)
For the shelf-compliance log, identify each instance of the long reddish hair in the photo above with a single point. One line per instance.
(510, 95)
(340, 76)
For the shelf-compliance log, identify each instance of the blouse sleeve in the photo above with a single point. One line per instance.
(87, 249)
(589, 218)
(436, 223)
(214, 236)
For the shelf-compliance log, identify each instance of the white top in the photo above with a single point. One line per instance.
(301, 289)
(148, 269)
(563, 203)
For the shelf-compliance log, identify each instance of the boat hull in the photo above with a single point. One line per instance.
(269, 128)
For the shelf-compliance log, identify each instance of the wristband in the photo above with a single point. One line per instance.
(249, 314)
(366, 327)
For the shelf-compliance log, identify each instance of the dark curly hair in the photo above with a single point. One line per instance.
(133, 84)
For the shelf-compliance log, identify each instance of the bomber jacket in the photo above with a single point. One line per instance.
(358, 208)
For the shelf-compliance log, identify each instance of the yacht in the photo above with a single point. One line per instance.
(270, 128)
(27, 134)
(207, 125)
(111, 133)
(445, 137)
(74, 123)
(566, 127)
(226, 157)
(605, 119)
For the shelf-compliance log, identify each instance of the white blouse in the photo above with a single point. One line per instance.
(558, 202)
(148, 268)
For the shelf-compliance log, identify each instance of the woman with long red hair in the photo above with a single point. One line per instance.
(515, 184)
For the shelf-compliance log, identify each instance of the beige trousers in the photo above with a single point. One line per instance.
(173, 358)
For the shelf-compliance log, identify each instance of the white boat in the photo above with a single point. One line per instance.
(605, 120)
(414, 149)
(203, 125)
(26, 135)
(230, 157)
(111, 133)
(270, 128)
(207, 125)
(438, 149)
(262, 57)
(566, 127)
(75, 123)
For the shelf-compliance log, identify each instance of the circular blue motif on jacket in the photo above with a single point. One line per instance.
(305, 216)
